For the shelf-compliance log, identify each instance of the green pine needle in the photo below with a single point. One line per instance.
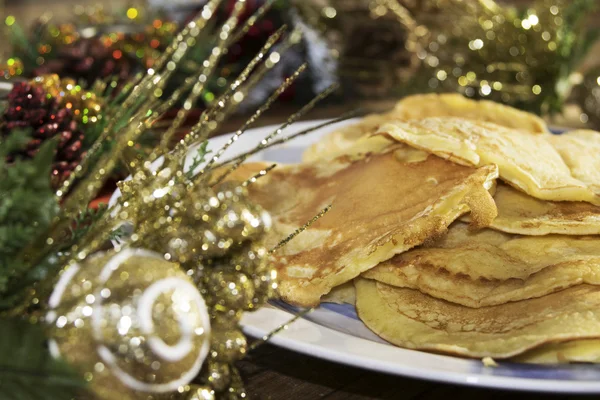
(87, 218)
(27, 369)
(27, 206)
(198, 159)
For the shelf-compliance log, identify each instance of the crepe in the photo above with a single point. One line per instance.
(485, 268)
(343, 294)
(522, 214)
(525, 161)
(411, 319)
(580, 150)
(576, 351)
(381, 206)
(455, 105)
(353, 139)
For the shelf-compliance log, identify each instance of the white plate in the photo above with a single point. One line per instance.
(334, 332)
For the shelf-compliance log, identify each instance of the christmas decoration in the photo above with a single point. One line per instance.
(32, 372)
(30, 107)
(88, 59)
(95, 44)
(85, 105)
(163, 308)
(587, 96)
(521, 57)
(13, 67)
(369, 45)
(129, 322)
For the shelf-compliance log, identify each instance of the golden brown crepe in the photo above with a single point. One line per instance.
(411, 319)
(485, 268)
(355, 138)
(455, 105)
(575, 351)
(382, 206)
(581, 152)
(522, 214)
(343, 294)
(525, 161)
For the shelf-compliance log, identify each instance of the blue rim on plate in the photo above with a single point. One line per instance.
(571, 372)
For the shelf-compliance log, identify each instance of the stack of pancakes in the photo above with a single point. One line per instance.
(456, 226)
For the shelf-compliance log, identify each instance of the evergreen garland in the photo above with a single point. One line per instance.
(27, 207)
(27, 369)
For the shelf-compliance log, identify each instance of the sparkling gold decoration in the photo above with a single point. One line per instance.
(481, 48)
(57, 35)
(119, 316)
(200, 393)
(132, 322)
(484, 49)
(143, 40)
(13, 67)
(85, 104)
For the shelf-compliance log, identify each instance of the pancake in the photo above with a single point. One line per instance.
(522, 214)
(352, 139)
(381, 206)
(411, 319)
(355, 138)
(525, 161)
(455, 105)
(575, 351)
(343, 294)
(580, 150)
(485, 268)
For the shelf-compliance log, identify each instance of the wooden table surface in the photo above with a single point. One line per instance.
(273, 373)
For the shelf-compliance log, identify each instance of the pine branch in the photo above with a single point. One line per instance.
(27, 207)
(27, 370)
(85, 220)
(198, 159)
(118, 234)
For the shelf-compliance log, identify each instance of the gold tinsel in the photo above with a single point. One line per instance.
(119, 316)
(85, 105)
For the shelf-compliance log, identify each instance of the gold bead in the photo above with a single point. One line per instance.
(230, 289)
(265, 285)
(218, 375)
(225, 319)
(228, 345)
(236, 386)
(198, 392)
(250, 260)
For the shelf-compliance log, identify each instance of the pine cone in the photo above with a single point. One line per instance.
(29, 107)
(88, 59)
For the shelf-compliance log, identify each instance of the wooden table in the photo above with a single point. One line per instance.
(273, 373)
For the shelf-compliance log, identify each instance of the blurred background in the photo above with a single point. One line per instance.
(541, 56)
